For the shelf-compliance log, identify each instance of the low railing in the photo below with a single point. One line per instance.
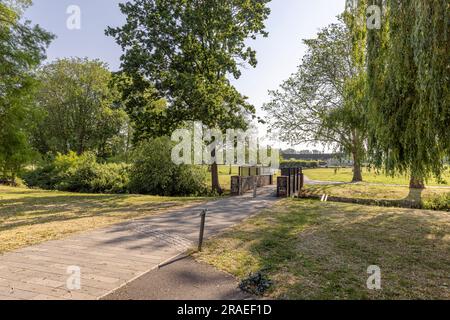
(290, 183)
(240, 185)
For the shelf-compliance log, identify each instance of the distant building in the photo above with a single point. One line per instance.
(332, 159)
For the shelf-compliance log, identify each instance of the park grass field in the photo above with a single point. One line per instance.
(431, 198)
(315, 250)
(369, 176)
(29, 217)
(224, 177)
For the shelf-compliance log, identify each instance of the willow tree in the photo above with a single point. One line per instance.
(408, 76)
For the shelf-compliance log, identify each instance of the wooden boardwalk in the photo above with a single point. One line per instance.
(110, 257)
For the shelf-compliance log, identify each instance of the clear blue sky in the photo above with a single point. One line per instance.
(278, 55)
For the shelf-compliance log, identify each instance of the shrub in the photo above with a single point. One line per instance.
(110, 178)
(44, 177)
(438, 202)
(79, 174)
(302, 163)
(153, 171)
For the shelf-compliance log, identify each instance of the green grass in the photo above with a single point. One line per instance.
(32, 216)
(224, 177)
(367, 191)
(346, 175)
(315, 250)
(430, 198)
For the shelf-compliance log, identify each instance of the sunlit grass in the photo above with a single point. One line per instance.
(370, 176)
(32, 216)
(315, 250)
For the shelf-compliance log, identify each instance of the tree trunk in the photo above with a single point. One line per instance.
(416, 183)
(80, 149)
(357, 174)
(215, 179)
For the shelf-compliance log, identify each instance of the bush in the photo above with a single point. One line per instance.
(79, 174)
(110, 178)
(153, 172)
(44, 177)
(302, 163)
(438, 202)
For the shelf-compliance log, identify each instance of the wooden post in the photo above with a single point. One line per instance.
(295, 181)
(302, 180)
(289, 183)
(202, 229)
(240, 185)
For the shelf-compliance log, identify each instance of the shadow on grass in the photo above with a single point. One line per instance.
(27, 211)
(413, 200)
(316, 250)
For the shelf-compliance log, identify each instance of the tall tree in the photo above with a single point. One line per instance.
(187, 50)
(22, 48)
(408, 76)
(82, 111)
(324, 101)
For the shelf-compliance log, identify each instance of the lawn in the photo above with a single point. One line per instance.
(346, 175)
(224, 177)
(32, 216)
(315, 250)
(431, 198)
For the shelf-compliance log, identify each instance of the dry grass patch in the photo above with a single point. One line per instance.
(32, 216)
(314, 250)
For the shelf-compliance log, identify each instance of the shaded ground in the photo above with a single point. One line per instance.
(184, 279)
(316, 250)
(109, 257)
(29, 216)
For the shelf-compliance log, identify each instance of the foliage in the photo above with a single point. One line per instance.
(323, 102)
(22, 48)
(153, 171)
(409, 88)
(82, 111)
(302, 163)
(438, 202)
(145, 108)
(185, 52)
(79, 174)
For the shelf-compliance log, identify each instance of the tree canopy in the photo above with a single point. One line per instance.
(82, 112)
(187, 50)
(22, 48)
(324, 101)
(409, 77)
